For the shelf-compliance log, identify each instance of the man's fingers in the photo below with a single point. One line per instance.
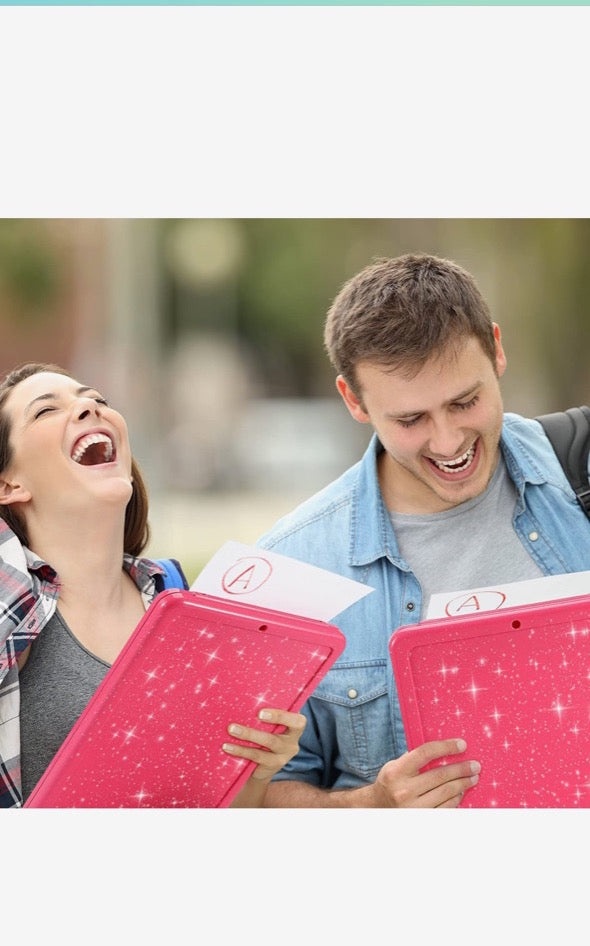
(445, 791)
(442, 785)
(411, 781)
(442, 774)
(453, 802)
(430, 751)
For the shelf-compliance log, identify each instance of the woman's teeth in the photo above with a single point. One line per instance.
(459, 465)
(87, 453)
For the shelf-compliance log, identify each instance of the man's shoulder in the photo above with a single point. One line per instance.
(525, 431)
(528, 449)
(322, 512)
(518, 423)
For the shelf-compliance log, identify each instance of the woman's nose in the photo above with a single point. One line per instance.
(86, 408)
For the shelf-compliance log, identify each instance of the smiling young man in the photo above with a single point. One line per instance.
(451, 493)
(440, 427)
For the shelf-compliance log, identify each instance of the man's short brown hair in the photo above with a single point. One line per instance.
(401, 312)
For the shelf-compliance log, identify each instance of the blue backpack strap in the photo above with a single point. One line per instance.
(173, 576)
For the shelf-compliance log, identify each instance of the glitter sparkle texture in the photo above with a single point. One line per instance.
(151, 735)
(515, 684)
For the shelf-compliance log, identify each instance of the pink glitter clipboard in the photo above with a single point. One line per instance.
(151, 735)
(515, 684)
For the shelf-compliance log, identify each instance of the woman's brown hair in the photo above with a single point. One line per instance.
(137, 532)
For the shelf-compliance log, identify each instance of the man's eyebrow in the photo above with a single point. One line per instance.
(457, 397)
(50, 396)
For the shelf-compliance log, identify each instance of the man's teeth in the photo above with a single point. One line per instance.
(458, 465)
(86, 442)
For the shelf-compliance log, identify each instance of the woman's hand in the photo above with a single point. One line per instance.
(277, 749)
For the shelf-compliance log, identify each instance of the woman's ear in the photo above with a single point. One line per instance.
(354, 405)
(13, 493)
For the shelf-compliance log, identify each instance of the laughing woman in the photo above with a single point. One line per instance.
(73, 587)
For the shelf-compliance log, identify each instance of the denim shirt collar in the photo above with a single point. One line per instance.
(520, 460)
(372, 535)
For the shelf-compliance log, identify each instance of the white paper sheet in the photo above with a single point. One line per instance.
(256, 576)
(512, 594)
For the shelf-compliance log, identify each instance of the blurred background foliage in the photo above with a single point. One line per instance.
(208, 334)
(266, 283)
(29, 270)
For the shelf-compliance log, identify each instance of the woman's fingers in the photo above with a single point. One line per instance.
(293, 721)
(276, 748)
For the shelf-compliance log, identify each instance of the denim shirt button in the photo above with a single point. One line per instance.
(352, 693)
(533, 536)
(410, 606)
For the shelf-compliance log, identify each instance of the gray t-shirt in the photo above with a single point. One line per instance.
(470, 546)
(56, 683)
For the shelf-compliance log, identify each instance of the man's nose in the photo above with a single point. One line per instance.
(446, 440)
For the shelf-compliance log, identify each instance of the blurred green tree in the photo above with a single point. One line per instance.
(29, 270)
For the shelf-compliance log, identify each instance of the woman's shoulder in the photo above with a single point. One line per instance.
(168, 572)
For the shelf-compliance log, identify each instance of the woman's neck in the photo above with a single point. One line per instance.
(86, 553)
(99, 601)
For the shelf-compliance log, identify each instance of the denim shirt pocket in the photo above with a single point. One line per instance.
(355, 696)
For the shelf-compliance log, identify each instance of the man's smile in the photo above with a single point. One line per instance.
(459, 467)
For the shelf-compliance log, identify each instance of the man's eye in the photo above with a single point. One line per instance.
(465, 405)
(409, 423)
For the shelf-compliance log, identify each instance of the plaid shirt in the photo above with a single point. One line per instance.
(29, 590)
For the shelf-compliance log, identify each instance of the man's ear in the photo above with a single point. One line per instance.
(352, 402)
(500, 359)
(13, 493)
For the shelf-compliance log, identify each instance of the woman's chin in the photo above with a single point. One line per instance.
(113, 491)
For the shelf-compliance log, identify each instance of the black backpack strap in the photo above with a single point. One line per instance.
(569, 433)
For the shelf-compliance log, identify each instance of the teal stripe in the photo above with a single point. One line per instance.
(288, 3)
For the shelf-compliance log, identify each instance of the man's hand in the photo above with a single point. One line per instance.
(402, 784)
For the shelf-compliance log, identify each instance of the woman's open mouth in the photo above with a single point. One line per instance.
(94, 449)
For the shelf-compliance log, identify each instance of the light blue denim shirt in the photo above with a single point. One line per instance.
(354, 723)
